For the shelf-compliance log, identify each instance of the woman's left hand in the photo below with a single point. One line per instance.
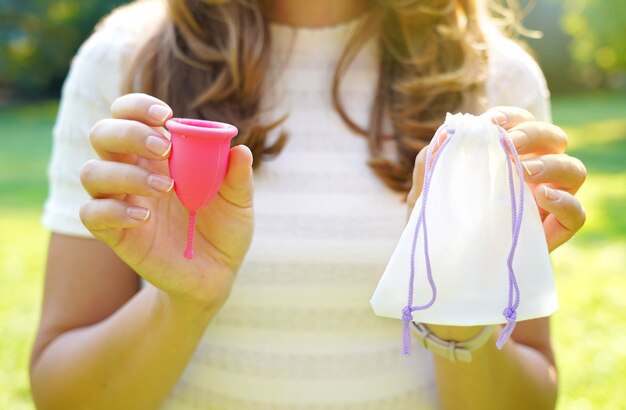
(553, 176)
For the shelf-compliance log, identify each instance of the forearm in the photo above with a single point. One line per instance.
(131, 360)
(516, 377)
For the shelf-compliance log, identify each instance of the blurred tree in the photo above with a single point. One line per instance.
(551, 48)
(598, 31)
(38, 39)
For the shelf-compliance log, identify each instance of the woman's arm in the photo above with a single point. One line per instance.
(520, 376)
(523, 374)
(102, 344)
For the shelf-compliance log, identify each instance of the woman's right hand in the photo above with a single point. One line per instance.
(134, 211)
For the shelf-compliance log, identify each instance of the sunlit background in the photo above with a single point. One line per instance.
(583, 54)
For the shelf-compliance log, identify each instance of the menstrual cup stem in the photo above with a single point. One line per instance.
(191, 230)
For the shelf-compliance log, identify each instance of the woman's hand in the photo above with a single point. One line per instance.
(134, 211)
(553, 176)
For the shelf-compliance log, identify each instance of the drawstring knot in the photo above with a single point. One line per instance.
(509, 314)
(407, 314)
(407, 318)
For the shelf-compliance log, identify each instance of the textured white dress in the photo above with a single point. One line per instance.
(298, 331)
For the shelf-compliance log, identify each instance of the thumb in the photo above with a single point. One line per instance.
(238, 186)
(419, 168)
(418, 179)
(508, 117)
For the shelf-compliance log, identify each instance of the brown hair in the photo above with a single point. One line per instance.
(208, 59)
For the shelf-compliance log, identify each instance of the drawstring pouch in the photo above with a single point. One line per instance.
(474, 251)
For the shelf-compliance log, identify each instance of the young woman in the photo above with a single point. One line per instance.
(359, 86)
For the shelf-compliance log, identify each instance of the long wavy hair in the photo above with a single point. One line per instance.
(208, 59)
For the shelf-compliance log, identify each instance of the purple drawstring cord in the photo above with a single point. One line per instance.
(510, 312)
(407, 312)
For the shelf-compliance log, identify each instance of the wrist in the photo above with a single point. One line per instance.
(185, 310)
(455, 333)
(452, 347)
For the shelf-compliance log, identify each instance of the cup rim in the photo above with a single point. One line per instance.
(201, 128)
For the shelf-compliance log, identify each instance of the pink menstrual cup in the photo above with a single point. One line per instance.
(198, 162)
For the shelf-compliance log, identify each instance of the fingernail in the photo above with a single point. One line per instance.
(140, 214)
(519, 138)
(533, 167)
(551, 194)
(157, 145)
(500, 118)
(159, 112)
(160, 182)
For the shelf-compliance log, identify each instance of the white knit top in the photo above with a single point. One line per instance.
(297, 331)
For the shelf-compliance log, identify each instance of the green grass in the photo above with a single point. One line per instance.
(588, 330)
(25, 142)
(26, 139)
(22, 253)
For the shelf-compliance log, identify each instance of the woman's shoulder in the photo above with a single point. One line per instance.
(515, 78)
(98, 68)
(117, 35)
(120, 32)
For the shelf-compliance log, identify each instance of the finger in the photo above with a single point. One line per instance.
(116, 139)
(557, 170)
(418, 178)
(105, 218)
(566, 214)
(509, 117)
(143, 108)
(538, 138)
(237, 188)
(103, 179)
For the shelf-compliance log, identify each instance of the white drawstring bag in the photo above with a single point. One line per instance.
(474, 251)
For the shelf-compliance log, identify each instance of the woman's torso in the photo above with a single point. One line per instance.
(297, 331)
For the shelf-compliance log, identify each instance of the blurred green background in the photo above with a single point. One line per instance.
(583, 54)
